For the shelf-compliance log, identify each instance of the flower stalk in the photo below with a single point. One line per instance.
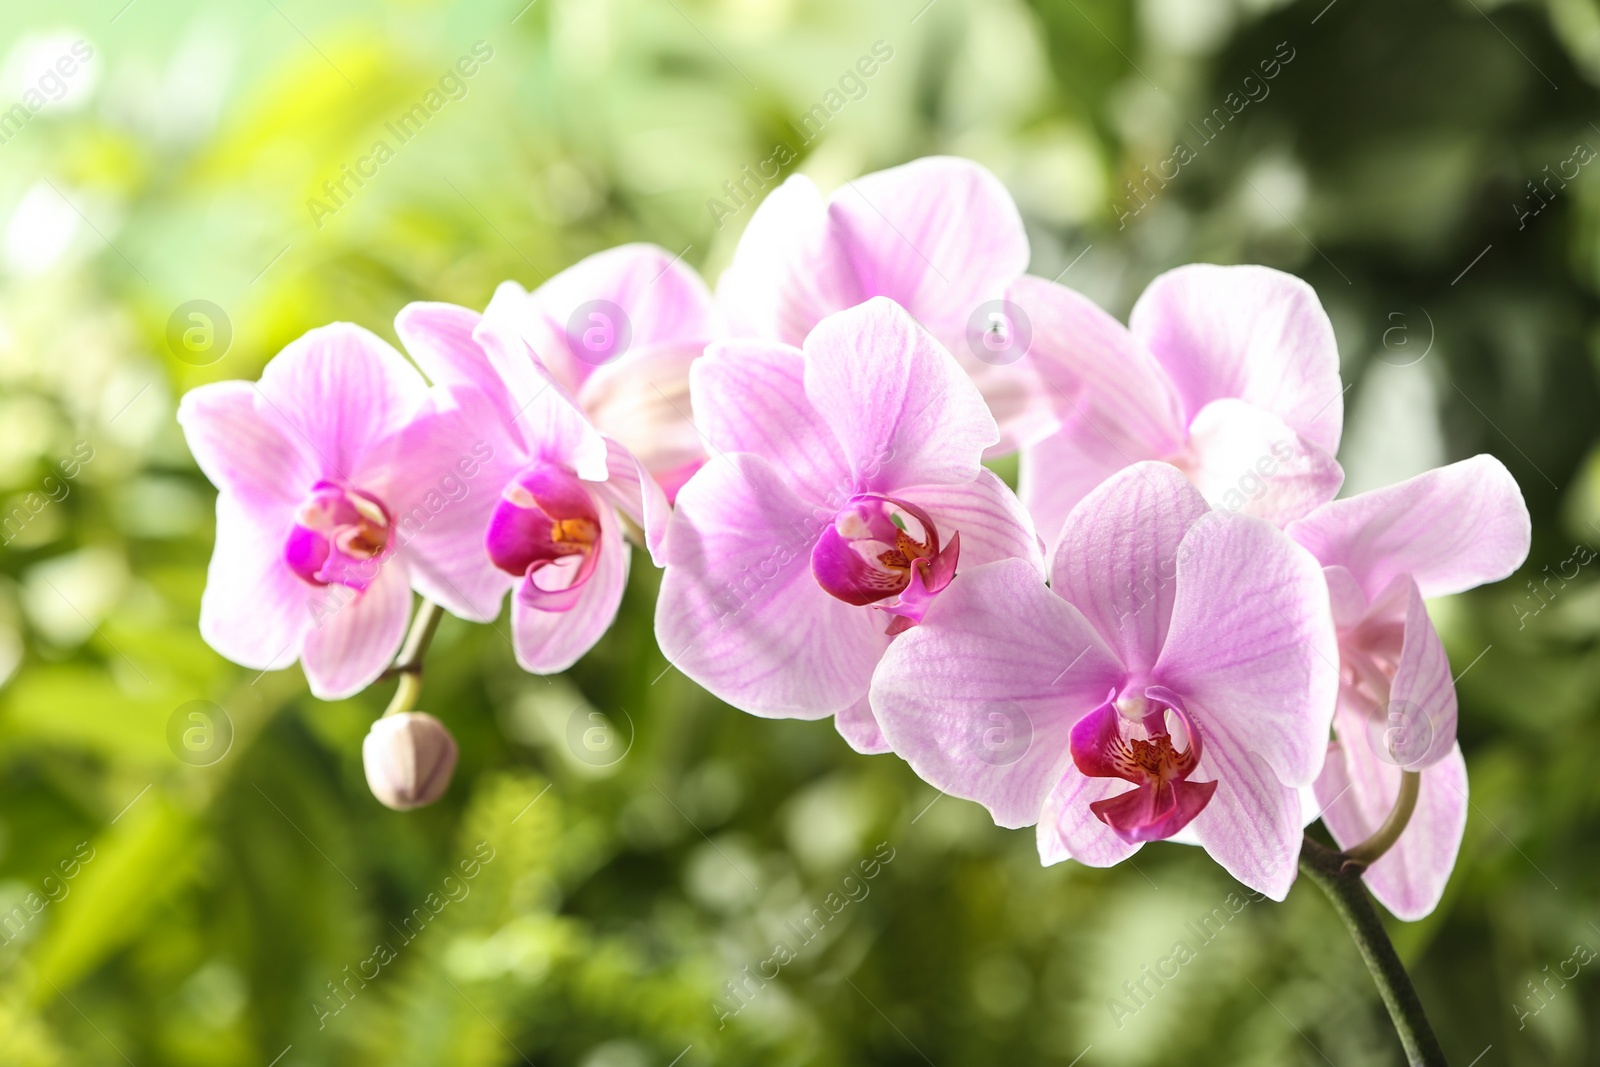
(1338, 874)
(408, 665)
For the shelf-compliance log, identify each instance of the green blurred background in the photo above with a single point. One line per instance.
(212, 907)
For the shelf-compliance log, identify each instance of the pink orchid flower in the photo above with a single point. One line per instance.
(1176, 680)
(939, 236)
(546, 523)
(318, 468)
(618, 332)
(844, 490)
(1230, 374)
(1440, 533)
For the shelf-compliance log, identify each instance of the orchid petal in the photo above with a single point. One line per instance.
(1247, 459)
(751, 397)
(637, 495)
(857, 725)
(1248, 332)
(1358, 790)
(739, 610)
(547, 642)
(1451, 529)
(1252, 825)
(939, 236)
(1117, 557)
(787, 275)
(255, 610)
(343, 392)
(903, 412)
(246, 449)
(355, 636)
(1251, 642)
(981, 696)
(990, 519)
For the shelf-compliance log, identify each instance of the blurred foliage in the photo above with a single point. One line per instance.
(644, 859)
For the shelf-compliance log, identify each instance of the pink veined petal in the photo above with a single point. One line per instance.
(440, 523)
(1251, 641)
(638, 496)
(740, 611)
(1252, 825)
(1017, 398)
(1056, 473)
(642, 401)
(1096, 371)
(981, 696)
(1345, 596)
(787, 274)
(440, 337)
(655, 299)
(502, 334)
(1068, 828)
(355, 636)
(902, 410)
(939, 236)
(1248, 460)
(991, 520)
(250, 454)
(750, 396)
(860, 730)
(1451, 529)
(254, 610)
(1357, 792)
(1118, 555)
(1420, 722)
(344, 392)
(1248, 332)
(551, 641)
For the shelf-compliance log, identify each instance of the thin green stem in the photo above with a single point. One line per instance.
(1340, 878)
(1368, 852)
(408, 665)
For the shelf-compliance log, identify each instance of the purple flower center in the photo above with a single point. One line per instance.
(878, 547)
(1163, 800)
(546, 524)
(340, 536)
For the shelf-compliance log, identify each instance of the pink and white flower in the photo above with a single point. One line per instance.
(844, 490)
(1442, 532)
(1230, 374)
(1185, 652)
(939, 236)
(618, 331)
(548, 526)
(317, 466)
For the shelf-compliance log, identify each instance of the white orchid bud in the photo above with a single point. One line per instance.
(409, 759)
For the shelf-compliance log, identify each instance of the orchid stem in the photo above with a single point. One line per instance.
(1368, 852)
(408, 665)
(1340, 877)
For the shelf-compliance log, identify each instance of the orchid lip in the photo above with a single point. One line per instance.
(340, 536)
(1163, 800)
(546, 530)
(879, 548)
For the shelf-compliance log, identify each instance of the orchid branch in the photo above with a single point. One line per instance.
(1338, 874)
(408, 665)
